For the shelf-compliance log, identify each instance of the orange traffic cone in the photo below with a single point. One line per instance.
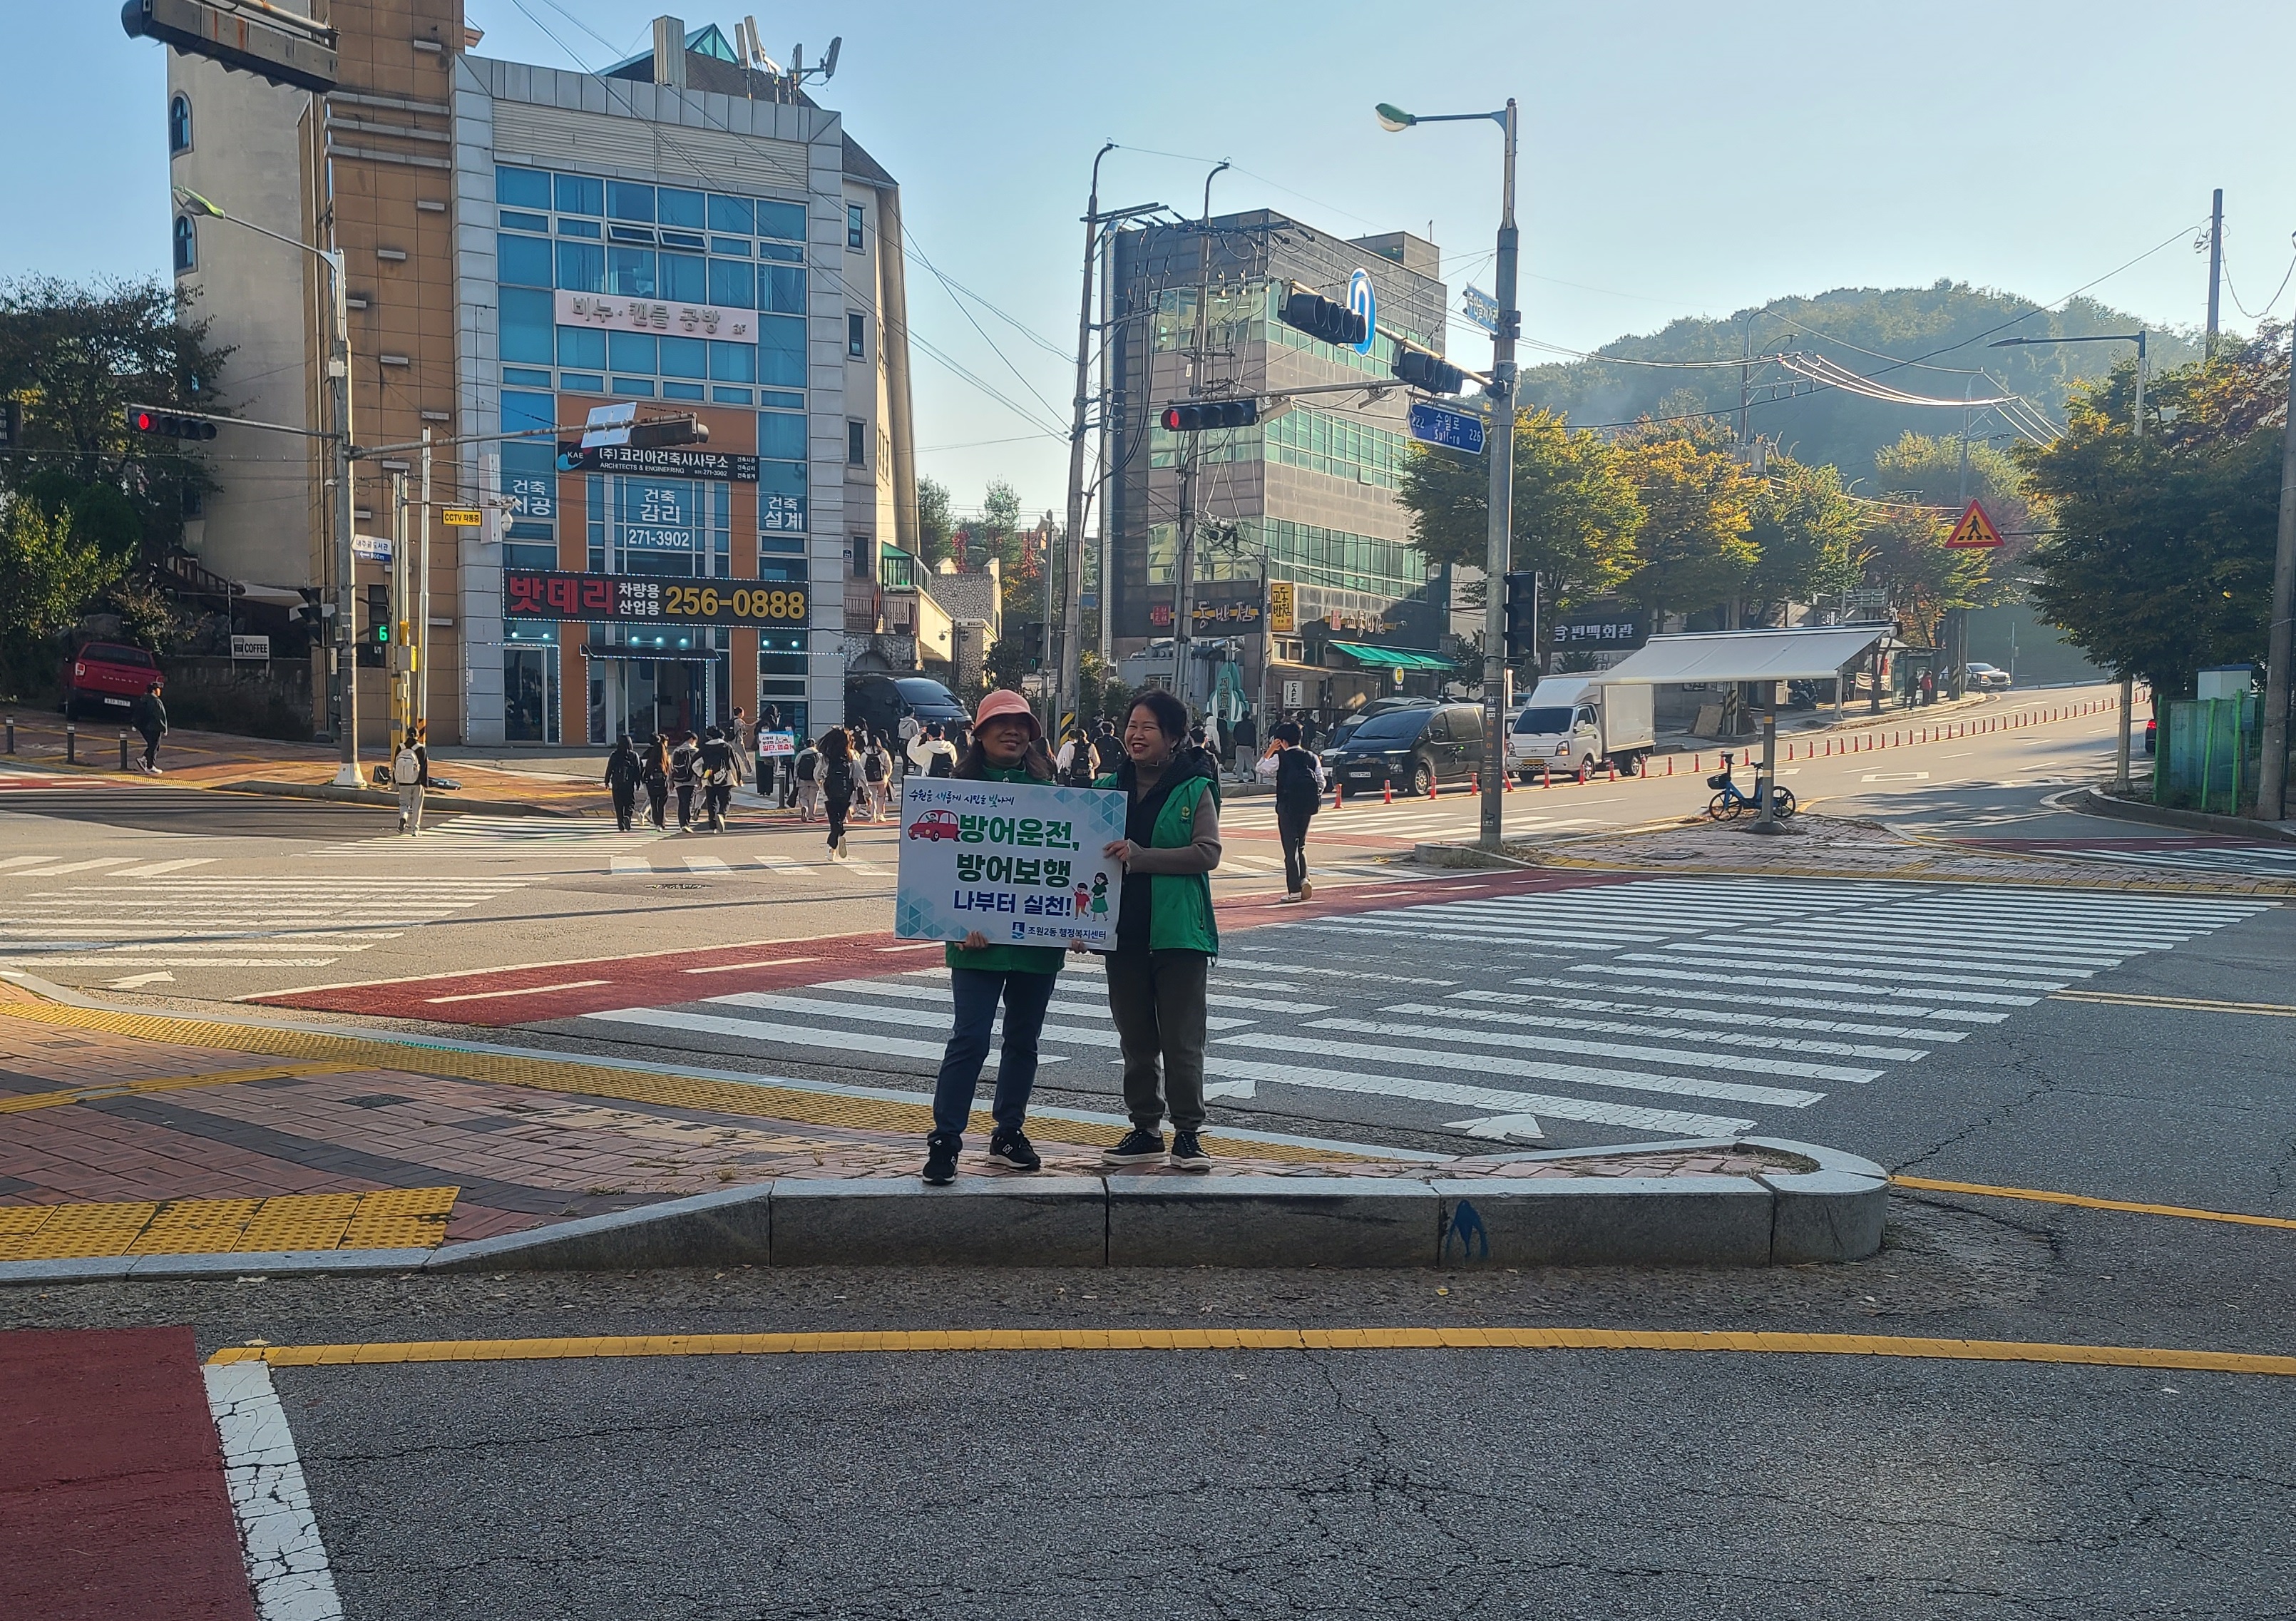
(1335, 796)
(1390, 796)
(1474, 783)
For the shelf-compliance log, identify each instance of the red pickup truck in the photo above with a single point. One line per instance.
(108, 678)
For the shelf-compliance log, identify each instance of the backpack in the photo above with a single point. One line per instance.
(1080, 772)
(875, 766)
(406, 767)
(943, 763)
(1107, 754)
(805, 762)
(840, 779)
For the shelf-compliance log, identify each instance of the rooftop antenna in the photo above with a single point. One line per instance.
(799, 72)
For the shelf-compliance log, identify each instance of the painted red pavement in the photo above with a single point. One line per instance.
(112, 1493)
(538, 993)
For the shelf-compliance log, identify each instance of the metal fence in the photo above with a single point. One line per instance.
(2210, 754)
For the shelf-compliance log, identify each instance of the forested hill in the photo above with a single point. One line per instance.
(1948, 325)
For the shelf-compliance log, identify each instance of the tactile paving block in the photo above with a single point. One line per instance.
(195, 1227)
(401, 1218)
(74, 1233)
(302, 1220)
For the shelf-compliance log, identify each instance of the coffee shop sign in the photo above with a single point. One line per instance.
(650, 314)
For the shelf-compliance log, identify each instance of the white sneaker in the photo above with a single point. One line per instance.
(1307, 889)
(155, 770)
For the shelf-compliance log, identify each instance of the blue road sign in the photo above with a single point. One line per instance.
(1360, 301)
(1481, 308)
(1431, 424)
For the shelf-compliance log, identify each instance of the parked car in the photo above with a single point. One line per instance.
(2151, 734)
(1411, 749)
(106, 679)
(1984, 678)
(1345, 727)
(882, 703)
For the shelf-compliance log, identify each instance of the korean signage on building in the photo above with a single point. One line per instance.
(670, 464)
(614, 313)
(650, 599)
(1019, 862)
(1613, 630)
(1280, 609)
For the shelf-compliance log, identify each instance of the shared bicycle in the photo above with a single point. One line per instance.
(1730, 798)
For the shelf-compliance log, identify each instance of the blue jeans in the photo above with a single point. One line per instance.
(978, 992)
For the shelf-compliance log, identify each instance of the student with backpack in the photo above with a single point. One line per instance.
(720, 769)
(1299, 778)
(876, 780)
(623, 776)
(932, 753)
(656, 778)
(410, 774)
(682, 777)
(839, 778)
(804, 772)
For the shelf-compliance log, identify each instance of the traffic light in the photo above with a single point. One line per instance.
(669, 431)
(1326, 318)
(1522, 614)
(1431, 372)
(1207, 414)
(315, 611)
(166, 424)
(378, 615)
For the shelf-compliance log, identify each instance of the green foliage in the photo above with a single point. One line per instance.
(2161, 558)
(1696, 549)
(1830, 425)
(100, 514)
(48, 575)
(1810, 535)
(1103, 692)
(935, 523)
(1575, 511)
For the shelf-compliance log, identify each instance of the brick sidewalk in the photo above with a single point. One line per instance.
(232, 1135)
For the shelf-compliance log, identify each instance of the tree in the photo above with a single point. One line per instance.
(1927, 470)
(2160, 561)
(77, 356)
(1808, 531)
(1906, 556)
(1575, 514)
(48, 576)
(935, 523)
(1695, 548)
(997, 532)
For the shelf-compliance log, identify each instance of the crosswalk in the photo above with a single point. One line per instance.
(1416, 820)
(1673, 1006)
(2249, 861)
(147, 918)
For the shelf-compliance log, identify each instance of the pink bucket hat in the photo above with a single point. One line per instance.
(1004, 701)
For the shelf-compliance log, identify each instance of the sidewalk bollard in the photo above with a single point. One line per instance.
(1434, 787)
(72, 743)
(1545, 775)
(1614, 770)
(1669, 765)
(1335, 796)
(123, 749)
(1694, 759)
(1474, 784)
(1389, 797)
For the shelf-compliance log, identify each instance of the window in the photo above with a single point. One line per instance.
(582, 267)
(863, 545)
(522, 260)
(856, 444)
(781, 351)
(683, 278)
(732, 362)
(857, 335)
(681, 208)
(630, 270)
(783, 220)
(856, 225)
(685, 358)
(732, 214)
(733, 281)
(630, 351)
(522, 188)
(781, 289)
(527, 317)
(625, 200)
(187, 245)
(179, 124)
(781, 436)
(581, 346)
(577, 195)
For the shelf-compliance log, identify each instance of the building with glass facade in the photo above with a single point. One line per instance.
(1306, 499)
(682, 231)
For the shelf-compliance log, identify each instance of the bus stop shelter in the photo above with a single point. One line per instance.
(1709, 658)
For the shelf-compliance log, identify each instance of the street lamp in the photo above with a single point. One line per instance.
(1499, 550)
(2127, 685)
(348, 774)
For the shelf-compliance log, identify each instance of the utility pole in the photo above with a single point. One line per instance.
(1071, 672)
(1499, 545)
(1183, 561)
(399, 643)
(2272, 779)
(2216, 264)
(348, 772)
(422, 641)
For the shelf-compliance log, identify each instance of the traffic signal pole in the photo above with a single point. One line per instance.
(348, 772)
(1184, 561)
(1499, 551)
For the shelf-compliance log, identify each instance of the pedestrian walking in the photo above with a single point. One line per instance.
(1107, 749)
(1073, 764)
(803, 772)
(839, 778)
(151, 721)
(656, 778)
(1166, 938)
(876, 779)
(1299, 778)
(410, 774)
(932, 753)
(624, 775)
(1007, 746)
(684, 778)
(769, 767)
(720, 767)
(738, 734)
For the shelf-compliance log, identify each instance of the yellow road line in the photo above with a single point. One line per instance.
(2043, 1196)
(1251, 1339)
(391, 1218)
(2192, 1004)
(169, 1083)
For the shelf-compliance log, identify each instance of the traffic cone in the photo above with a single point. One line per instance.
(1506, 783)
(1669, 765)
(1335, 795)
(1390, 796)
(1474, 784)
(1614, 770)
(1434, 787)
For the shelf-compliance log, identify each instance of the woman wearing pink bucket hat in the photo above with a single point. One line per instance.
(1007, 746)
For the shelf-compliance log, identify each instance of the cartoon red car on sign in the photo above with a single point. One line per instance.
(934, 824)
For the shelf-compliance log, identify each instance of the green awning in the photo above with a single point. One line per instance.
(1391, 658)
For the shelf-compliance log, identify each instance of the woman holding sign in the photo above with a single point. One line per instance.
(1007, 746)
(1165, 936)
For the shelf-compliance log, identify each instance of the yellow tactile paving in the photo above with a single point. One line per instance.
(627, 1085)
(64, 1097)
(402, 1218)
(1366, 1339)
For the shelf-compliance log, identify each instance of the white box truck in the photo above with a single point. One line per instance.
(1574, 725)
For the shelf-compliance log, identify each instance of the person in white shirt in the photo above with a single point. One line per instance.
(932, 753)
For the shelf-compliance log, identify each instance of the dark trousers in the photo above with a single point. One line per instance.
(714, 798)
(685, 804)
(1156, 998)
(838, 809)
(1291, 828)
(977, 994)
(152, 749)
(625, 800)
(656, 799)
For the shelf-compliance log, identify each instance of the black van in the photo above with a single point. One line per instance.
(1412, 749)
(881, 702)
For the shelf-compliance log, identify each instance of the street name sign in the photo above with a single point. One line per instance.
(1974, 531)
(372, 548)
(609, 425)
(1431, 424)
(1021, 862)
(1480, 308)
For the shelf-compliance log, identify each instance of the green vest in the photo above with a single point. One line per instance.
(1179, 904)
(1006, 959)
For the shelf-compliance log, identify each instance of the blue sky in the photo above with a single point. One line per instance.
(1677, 159)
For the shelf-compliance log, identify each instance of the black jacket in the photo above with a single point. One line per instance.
(151, 715)
(622, 771)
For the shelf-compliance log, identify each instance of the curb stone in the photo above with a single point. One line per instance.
(2093, 802)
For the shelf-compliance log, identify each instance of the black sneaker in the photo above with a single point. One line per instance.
(1012, 1151)
(1139, 1148)
(1188, 1153)
(940, 1160)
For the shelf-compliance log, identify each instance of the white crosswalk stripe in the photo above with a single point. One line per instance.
(1678, 1005)
(162, 916)
(493, 835)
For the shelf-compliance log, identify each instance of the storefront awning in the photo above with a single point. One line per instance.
(1391, 658)
(1747, 655)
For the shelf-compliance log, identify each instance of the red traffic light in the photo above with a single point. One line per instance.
(1211, 414)
(168, 425)
(145, 422)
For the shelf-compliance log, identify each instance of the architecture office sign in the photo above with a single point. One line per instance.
(611, 312)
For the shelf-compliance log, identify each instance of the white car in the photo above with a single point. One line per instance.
(1985, 677)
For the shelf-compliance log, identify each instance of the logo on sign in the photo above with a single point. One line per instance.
(1361, 299)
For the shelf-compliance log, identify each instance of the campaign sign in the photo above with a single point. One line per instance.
(771, 743)
(1019, 861)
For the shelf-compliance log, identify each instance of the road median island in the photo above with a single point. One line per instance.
(369, 1152)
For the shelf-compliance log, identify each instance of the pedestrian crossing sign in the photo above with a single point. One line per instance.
(1974, 531)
